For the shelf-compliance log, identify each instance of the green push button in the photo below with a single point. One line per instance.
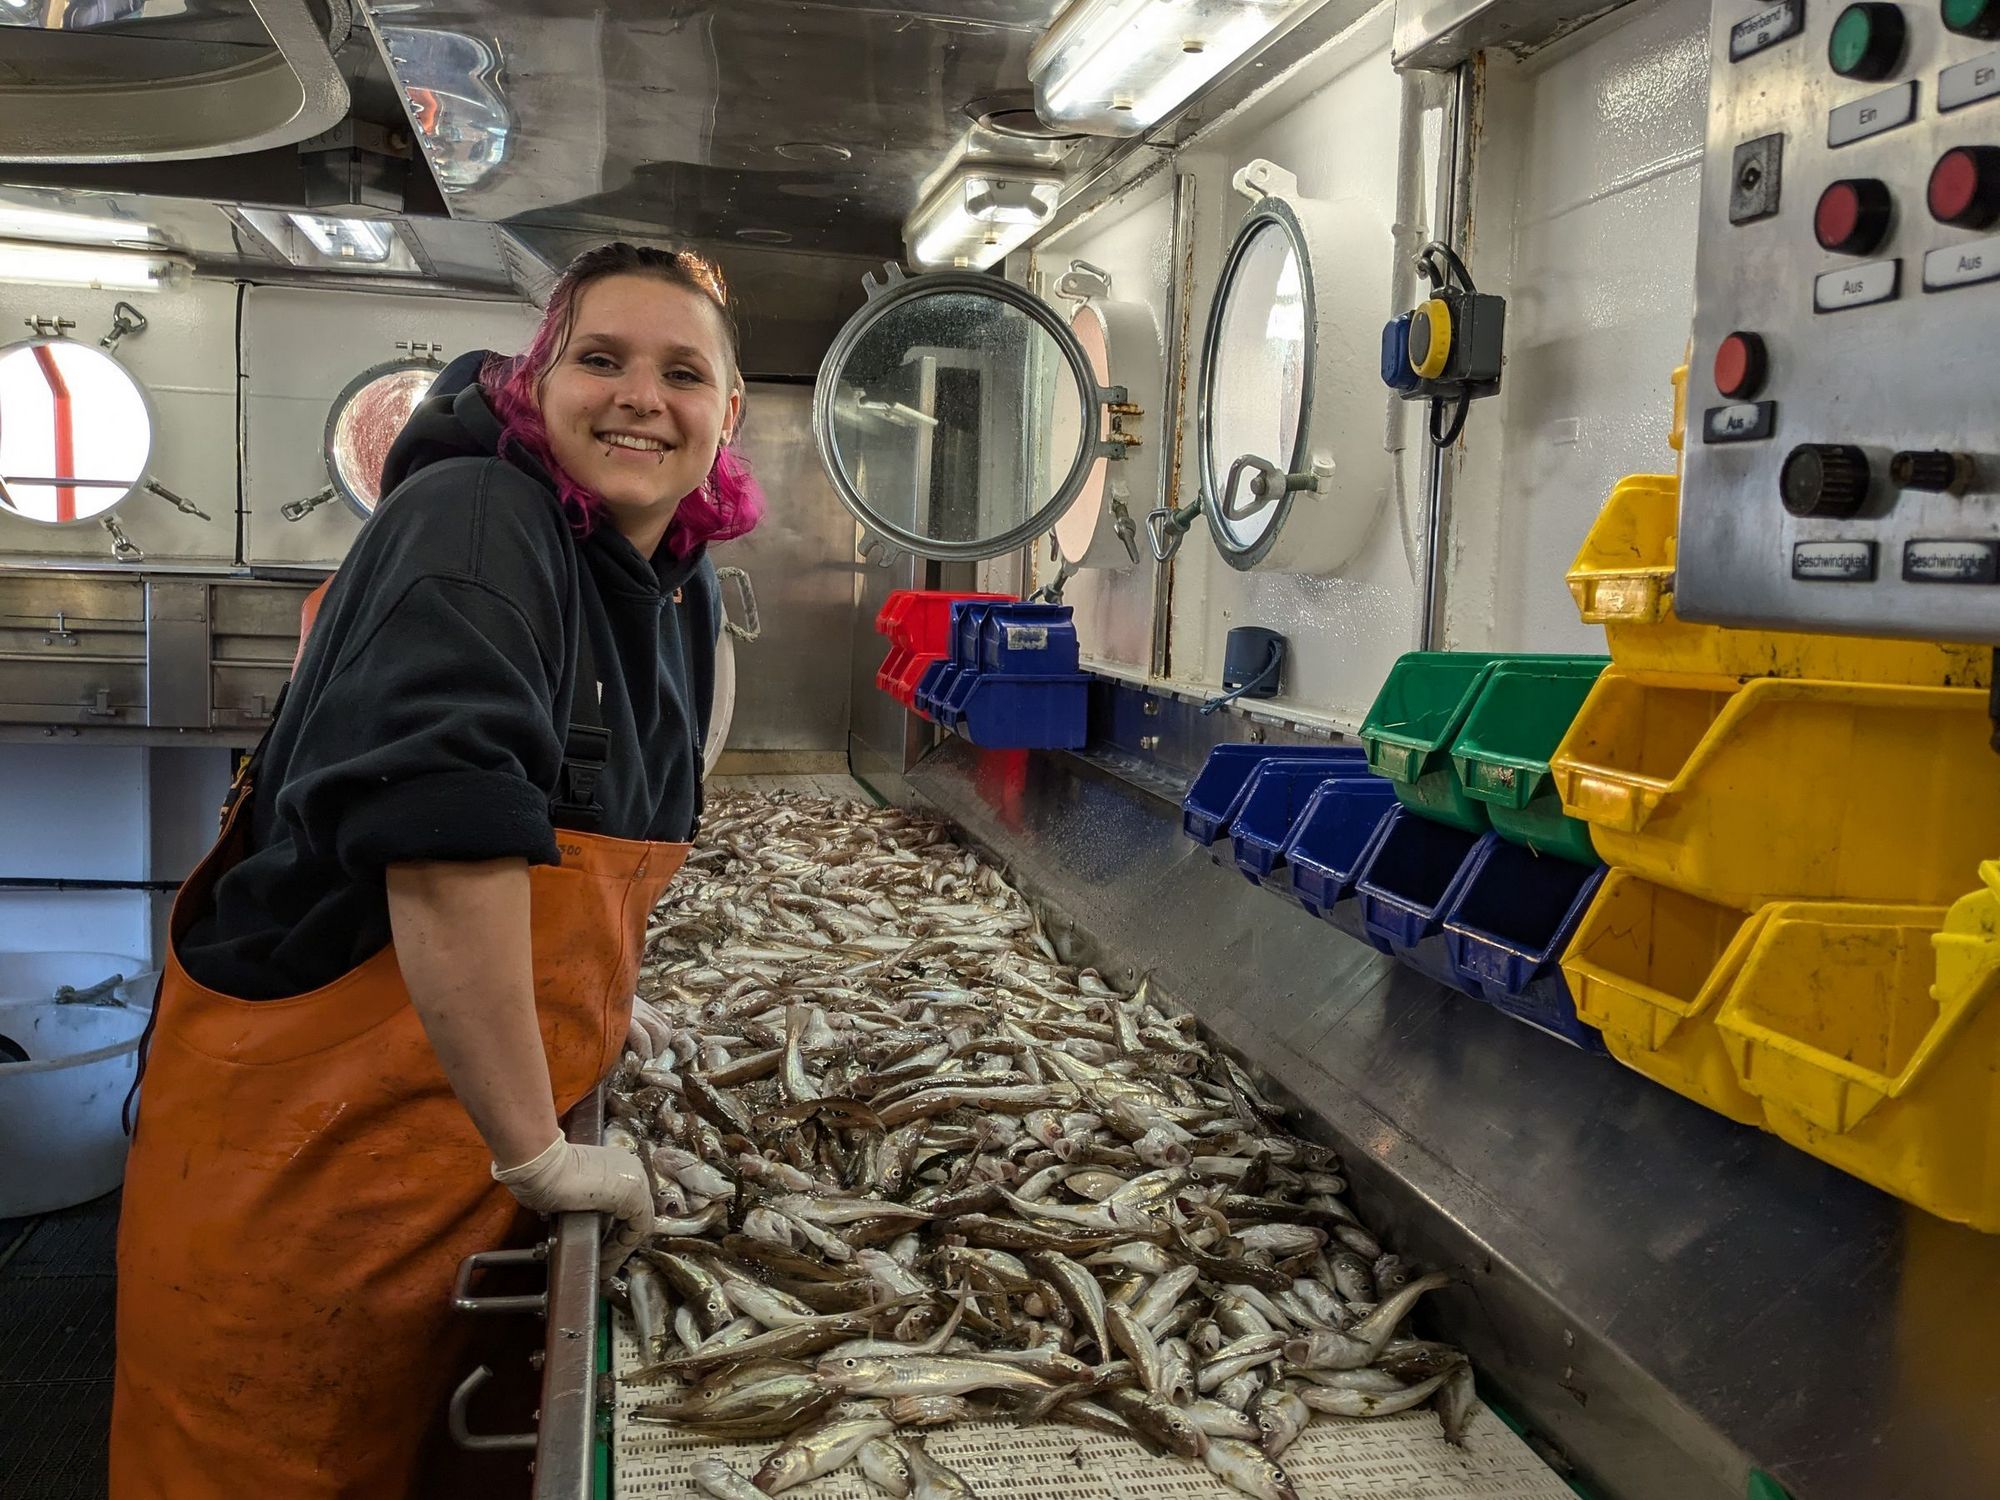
(1980, 18)
(1867, 41)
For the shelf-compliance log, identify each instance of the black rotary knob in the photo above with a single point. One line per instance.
(1930, 469)
(1824, 479)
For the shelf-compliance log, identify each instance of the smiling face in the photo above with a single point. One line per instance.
(640, 398)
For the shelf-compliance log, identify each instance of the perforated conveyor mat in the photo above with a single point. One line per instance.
(1388, 1458)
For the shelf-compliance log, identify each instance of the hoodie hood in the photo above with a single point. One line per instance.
(452, 421)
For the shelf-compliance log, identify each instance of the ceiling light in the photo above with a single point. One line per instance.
(47, 265)
(346, 239)
(979, 214)
(23, 223)
(1118, 67)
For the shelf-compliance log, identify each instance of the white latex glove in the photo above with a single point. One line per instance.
(568, 1178)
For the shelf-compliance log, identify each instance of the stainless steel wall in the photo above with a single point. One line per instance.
(792, 684)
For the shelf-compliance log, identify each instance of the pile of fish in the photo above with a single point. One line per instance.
(912, 1169)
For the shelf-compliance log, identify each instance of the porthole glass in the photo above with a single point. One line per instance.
(75, 431)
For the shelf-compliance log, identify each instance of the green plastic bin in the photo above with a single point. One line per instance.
(1501, 755)
(1409, 730)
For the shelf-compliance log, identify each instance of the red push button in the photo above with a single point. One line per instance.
(1740, 366)
(1965, 187)
(1852, 216)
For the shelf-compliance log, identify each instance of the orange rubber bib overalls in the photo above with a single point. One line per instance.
(305, 1185)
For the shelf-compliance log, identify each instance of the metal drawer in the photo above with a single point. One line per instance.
(72, 649)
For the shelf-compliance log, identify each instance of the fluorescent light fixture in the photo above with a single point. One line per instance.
(980, 213)
(1118, 67)
(346, 239)
(20, 222)
(47, 265)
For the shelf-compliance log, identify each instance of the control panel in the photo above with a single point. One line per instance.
(1843, 448)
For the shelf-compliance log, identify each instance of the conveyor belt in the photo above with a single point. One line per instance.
(1389, 1458)
(1404, 1457)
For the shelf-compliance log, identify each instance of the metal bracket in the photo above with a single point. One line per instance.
(1083, 282)
(298, 510)
(126, 320)
(62, 635)
(122, 547)
(430, 352)
(892, 277)
(879, 550)
(481, 1442)
(99, 706)
(753, 625)
(45, 327)
(1258, 179)
(185, 506)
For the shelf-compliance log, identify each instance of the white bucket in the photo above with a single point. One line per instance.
(60, 1110)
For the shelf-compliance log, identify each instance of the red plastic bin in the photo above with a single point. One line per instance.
(918, 625)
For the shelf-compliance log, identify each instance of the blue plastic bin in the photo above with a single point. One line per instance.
(1513, 915)
(1274, 798)
(1003, 712)
(1409, 880)
(1033, 640)
(924, 701)
(1323, 855)
(1216, 794)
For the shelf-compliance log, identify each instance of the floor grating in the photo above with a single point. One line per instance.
(56, 1322)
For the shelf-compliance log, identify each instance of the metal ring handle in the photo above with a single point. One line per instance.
(754, 625)
(461, 1292)
(1167, 529)
(480, 1442)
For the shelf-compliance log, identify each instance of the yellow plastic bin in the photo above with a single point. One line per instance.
(1623, 579)
(1778, 789)
(1647, 968)
(1833, 1022)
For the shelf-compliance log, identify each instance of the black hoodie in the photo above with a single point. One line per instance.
(427, 718)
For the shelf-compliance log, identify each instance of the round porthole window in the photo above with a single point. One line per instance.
(76, 431)
(956, 415)
(364, 421)
(1292, 465)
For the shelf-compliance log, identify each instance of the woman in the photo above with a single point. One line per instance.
(413, 947)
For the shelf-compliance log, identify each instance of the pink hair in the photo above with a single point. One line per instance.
(728, 503)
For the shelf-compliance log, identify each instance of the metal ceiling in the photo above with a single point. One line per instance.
(788, 139)
(811, 122)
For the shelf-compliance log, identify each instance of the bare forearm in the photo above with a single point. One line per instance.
(463, 941)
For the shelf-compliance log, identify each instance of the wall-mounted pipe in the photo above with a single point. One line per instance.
(65, 416)
(1454, 220)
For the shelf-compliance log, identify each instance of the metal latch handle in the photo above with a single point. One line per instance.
(1270, 482)
(461, 1292)
(481, 1442)
(1167, 529)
